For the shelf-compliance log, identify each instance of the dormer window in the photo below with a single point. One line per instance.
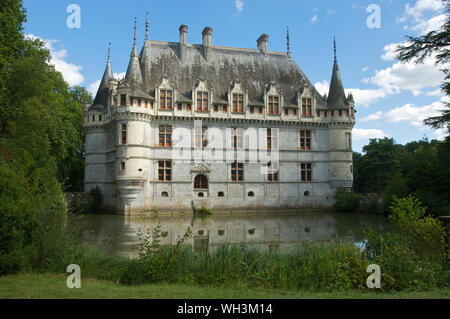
(274, 105)
(238, 103)
(307, 107)
(139, 102)
(123, 100)
(202, 101)
(165, 99)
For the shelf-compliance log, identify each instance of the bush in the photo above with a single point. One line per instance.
(95, 199)
(346, 201)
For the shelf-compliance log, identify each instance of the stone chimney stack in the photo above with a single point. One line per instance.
(207, 42)
(263, 43)
(183, 40)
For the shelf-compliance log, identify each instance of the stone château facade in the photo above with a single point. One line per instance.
(226, 128)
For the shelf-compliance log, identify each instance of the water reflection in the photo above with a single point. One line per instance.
(119, 234)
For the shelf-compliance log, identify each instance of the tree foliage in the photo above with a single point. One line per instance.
(41, 146)
(421, 168)
(436, 42)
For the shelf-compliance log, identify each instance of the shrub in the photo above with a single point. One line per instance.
(346, 201)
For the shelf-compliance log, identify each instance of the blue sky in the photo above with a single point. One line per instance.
(391, 98)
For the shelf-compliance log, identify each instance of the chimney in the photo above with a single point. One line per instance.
(183, 39)
(207, 42)
(263, 43)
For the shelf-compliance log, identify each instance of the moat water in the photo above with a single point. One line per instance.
(118, 235)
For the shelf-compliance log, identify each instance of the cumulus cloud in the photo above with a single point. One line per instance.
(71, 72)
(239, 5)
(322, 87)
(363, 134)
(414, 114)
(93, 87)
(373, 117)
(419, 14)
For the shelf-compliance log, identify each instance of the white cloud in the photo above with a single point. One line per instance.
(239, 5)
(441, 133)
(389, 50)
(314, 19)
(418, 12)
(372, 117)
(93, 87)
(422, 6)
(71, 72)
(414, 114)
(365, 69)
(322, 87)
(363, 134)
(437, 92)
(362, 97)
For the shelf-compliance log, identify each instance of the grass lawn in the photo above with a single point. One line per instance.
(54, 286)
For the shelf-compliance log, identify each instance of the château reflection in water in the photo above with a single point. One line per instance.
(114, 234)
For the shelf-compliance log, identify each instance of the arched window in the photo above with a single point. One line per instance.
(200, 182)
(251, 194)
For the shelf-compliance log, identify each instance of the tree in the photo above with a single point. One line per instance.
(434, 42)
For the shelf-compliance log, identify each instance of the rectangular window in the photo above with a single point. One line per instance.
(238, 103)
(188, 107)
(332, 113)
(318, 113)
(122, 165)
(325, 113)
(274, 105)
(164, 171)
(237, 138)
(306, 172)
(139, 102)
(151, 105)
(165, 99)
(295, 112)
(340, 112)
(237, 172)
(272, 173)
(202, 101)
(216, 108)
(252, 110)
(201, 138)
(272, 138)
(307, 107)
(179, 106)
(348, 137)
(224, 109)
(124, 134)
(146, 104)
(260, 111)
(286, 112)
(305, 140)
(123, 100)
(100, 118)
(165, 135)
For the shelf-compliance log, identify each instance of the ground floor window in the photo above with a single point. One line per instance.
(200, 182)
(164, 171)
(306, 172)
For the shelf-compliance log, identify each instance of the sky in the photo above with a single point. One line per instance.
(392, 98)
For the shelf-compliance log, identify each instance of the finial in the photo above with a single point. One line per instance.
(287, 38)
(135, 21)
(146, 28)
(334, 40)
(109, 52)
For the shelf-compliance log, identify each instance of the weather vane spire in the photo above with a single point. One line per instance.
(287, 38)
(334, 44)
(109, 52)
(146, 28)
(135, 21)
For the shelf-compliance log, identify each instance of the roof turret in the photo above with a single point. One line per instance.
(336, 95)
(144, 59)
(134, 76)
(101, 98)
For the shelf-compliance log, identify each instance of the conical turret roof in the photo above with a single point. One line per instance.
(336, 95)
(144, 60)
(134, 76)
(101, 98)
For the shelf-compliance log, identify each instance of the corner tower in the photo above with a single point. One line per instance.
(340, 123)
